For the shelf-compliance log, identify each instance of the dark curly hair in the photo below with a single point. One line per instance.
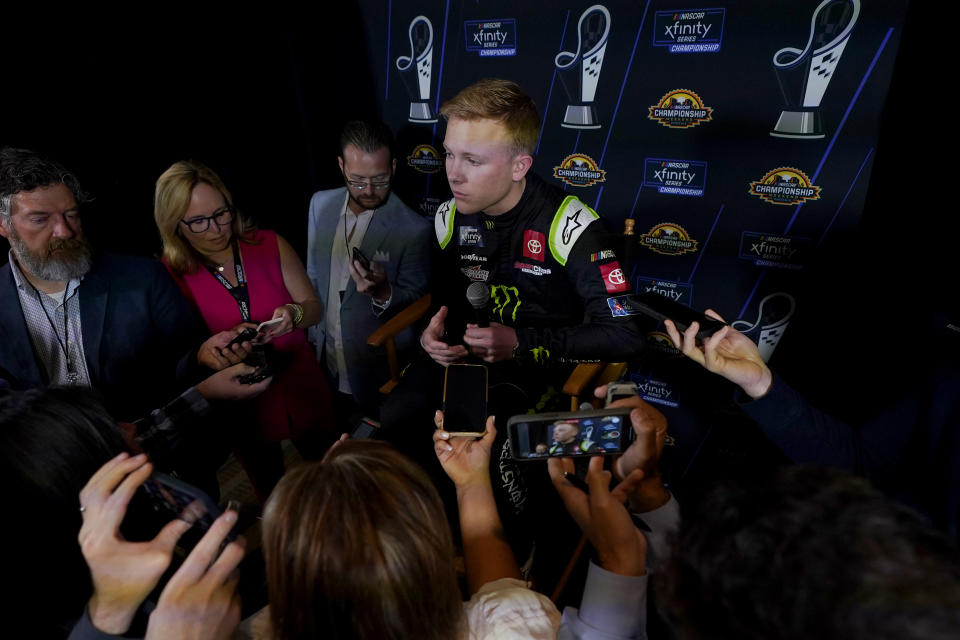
(810, 553)
(25, 170)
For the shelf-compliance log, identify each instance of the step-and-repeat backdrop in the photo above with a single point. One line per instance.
(737, 137)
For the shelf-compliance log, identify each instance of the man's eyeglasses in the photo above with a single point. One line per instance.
(362, 186)
(222, 216)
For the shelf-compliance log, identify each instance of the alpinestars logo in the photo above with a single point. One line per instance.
(668, 239)
(571, 224)
(680, 109)
(425, 159)
(579, 170)
(785, 185)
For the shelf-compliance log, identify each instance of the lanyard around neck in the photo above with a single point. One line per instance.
(240, 292)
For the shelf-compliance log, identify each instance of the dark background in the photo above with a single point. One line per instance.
(260, 98)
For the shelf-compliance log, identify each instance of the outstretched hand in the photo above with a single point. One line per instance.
(465, 459)
(432, 341)
(124, 573)
(200, 602)
(621, 547)
(727, 353)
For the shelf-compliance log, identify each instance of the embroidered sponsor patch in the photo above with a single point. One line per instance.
(470, 236)
(613, 278)
(534, 244)
(570, 221)
(475, 273)
(532, 269)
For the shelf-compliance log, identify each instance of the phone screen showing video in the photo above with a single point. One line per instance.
(465, 398)
(570, 436)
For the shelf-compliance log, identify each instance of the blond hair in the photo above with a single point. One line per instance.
(172, 199)
(500, 100)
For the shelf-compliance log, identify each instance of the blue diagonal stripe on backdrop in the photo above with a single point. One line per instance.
(616, 109)
(386, 90)
(436, 105)
(703, 247)
(845, 196)
(546, 107)
(836, 134)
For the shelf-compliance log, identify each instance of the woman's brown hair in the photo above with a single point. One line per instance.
(357, 546)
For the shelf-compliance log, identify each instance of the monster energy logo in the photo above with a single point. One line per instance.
(488, 224)
(540, 354)
(502, 300)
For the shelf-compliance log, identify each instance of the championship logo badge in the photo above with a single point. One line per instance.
(803, 74)
(491, 37)
(785, 185)
(676, 177)
(689, 30)
(425, 159)
(416, 70)
(680, 109)
(579, 170)
(668, 239)
(579, 70)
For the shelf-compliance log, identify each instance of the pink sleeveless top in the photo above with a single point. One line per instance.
(299, 398)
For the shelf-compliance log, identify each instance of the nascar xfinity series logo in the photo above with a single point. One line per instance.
(579, 170)
(689, 31)
(425, 159)
(676, 291)
(491, 37)
(785, 185)
(668, 239)
(677, 177)
(787, 252)
(680, 109)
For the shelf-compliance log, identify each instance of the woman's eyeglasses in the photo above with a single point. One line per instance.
(222, 216)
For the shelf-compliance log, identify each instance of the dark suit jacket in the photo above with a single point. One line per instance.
(139, 335)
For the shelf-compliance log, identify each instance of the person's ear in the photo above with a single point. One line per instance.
(340, 162)
(393, 166)
(4, 231)
(521, 164)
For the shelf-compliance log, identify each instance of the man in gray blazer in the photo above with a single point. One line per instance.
(360, 292)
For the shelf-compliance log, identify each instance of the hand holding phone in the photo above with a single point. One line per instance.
(121, 577)
(362, 259)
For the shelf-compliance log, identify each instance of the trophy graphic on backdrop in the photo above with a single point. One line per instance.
(773, 314)
(580, 81)
(804, 75)
(417, 70)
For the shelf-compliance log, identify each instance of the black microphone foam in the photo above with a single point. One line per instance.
(478, 295)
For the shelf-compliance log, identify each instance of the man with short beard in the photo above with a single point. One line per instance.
(114, 323)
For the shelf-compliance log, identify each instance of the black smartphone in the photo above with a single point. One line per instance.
(178, 499)
(247, 335)
(362, 259)
(465, 400)
(570, 435)
(661, 308)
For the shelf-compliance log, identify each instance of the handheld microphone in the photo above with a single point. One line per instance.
(478, 295)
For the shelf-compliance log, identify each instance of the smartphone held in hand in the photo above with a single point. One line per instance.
(570, 435)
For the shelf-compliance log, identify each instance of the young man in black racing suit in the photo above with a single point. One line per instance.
(552, 277)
